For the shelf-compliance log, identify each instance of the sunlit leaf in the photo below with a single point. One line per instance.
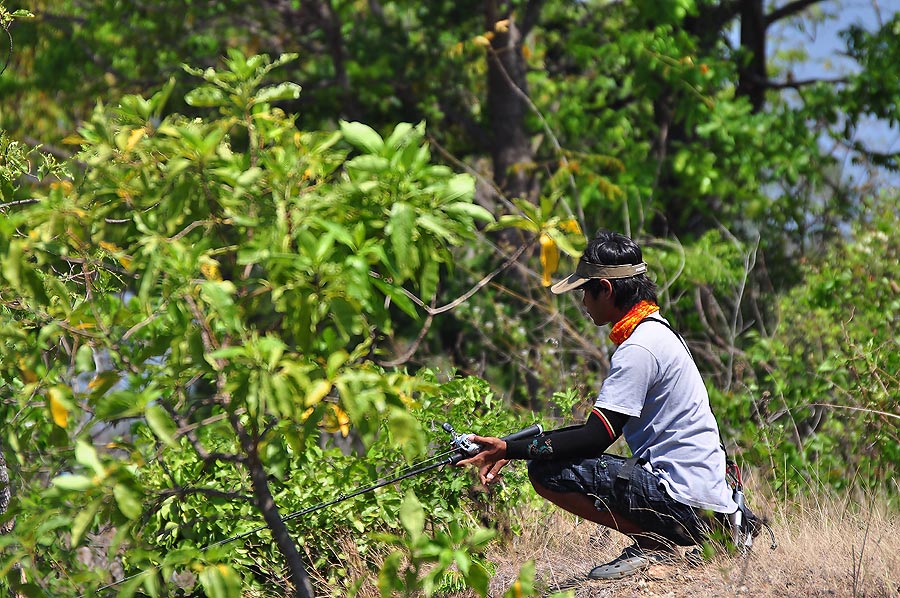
(59, 406)
(362, 136)
(161, 424)
(412, 515)
(220, 581)
(128, 502)
(86, 454)
(282, 91)
(73, 482)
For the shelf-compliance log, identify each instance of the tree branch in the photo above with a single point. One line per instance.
(789, 10)
(481, 283)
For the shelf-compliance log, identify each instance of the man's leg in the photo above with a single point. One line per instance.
(584, 506)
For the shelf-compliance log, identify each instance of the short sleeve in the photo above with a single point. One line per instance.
(633, 370)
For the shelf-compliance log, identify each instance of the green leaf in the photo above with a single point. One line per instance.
(130, 585)
(429, 280)
(84, 520)
(471, 210)
(370, 164)
(118, 404)
(84, 359)
(362, 136)
(438, 227)
(389, 578)
(282, 91)
(220, 581)
(564, 242)
(69, 481)
(219, 296)
(463, 561)
(11, 265)
(480, 537)
(339, 232)
(398, 297)
(406, 432)
(161, 424)
(128, 502)
(478, 578)
(398, 136)
(86, 454)
(400, 228)
(457, 187)
(412, 515)
(206, 96)
(515, 221)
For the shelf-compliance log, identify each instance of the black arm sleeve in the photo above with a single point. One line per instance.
(587, 440)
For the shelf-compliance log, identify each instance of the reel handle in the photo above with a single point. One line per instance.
(467, 448)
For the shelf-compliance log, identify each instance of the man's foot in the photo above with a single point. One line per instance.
(633, 559)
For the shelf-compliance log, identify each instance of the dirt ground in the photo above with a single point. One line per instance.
(829, 550)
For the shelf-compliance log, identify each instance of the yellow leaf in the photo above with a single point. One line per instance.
(28, 375)
(317, 392)
(103, 382)
(502, 26)
(118, 252)
(210, 269)
(570, 226)
(549, 259)
(58, 408)
(133, 139)
(339, 422)
(73, 140)
(481, 40)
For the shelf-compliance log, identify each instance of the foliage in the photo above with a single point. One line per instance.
(218, 287)
(823, 398)
(225, 271)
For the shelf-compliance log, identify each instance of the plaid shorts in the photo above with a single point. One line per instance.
(642, 501)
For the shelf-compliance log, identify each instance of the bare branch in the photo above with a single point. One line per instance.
(480, 284)
(789, 10)
(407, 355)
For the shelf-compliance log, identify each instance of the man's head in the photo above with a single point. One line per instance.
(614, 261)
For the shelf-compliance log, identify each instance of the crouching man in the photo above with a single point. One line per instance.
(667, 493)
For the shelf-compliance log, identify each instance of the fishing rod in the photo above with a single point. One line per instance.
(461, 447)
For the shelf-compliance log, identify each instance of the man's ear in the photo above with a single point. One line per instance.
(606, 287)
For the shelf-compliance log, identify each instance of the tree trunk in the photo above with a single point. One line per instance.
(265, 502)
(5, 494)
(506, 91)
(753, 74)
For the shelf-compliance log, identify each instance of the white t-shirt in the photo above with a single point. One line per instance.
(653, 379)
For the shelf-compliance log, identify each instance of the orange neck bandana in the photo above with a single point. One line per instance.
(624, 327)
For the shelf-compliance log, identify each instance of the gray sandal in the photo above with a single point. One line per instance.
(633, 560)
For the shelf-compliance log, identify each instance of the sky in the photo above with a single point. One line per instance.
(823, 44)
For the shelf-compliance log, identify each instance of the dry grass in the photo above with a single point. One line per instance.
(826, 547)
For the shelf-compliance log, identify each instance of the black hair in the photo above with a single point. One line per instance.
(613, 249)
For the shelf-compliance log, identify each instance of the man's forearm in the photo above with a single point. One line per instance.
(590, 439)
